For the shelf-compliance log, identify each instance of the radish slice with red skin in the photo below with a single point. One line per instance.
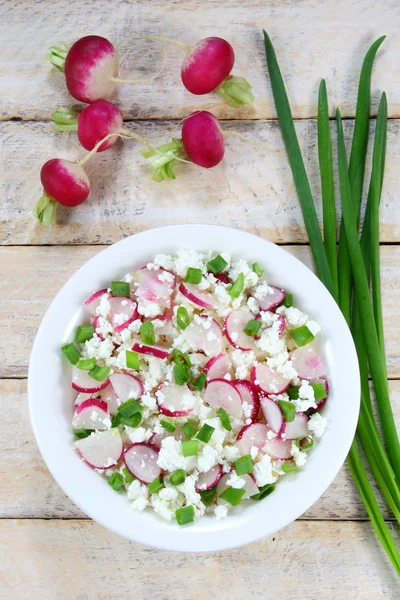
(218, 366)
(221, 393)
(235, 322)
(267, 380)
(271, 300)
(167, 325)
(252, 435)
(95, 323)
(81, 397)
(91, 414)
(249, 395)
(157, 351)
(250, 487)
(121, 305)
(196, 296)
(282, 324)
(172, 400)
(157, 438)
(208, 480)
(102, 449)
(94, 301)
(141, 460)
(82, 382)
(126, 386)
(279, 449)
(204, 334)
(307, 363)
(273, 415)
(296, 428)
(156, 285)
(107, 395)
(222, 277)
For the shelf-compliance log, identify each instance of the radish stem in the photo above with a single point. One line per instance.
(57, 55)
(146, 79)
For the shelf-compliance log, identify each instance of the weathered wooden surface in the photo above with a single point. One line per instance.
(313, 39)
(260, 196)
(65, 560)
(28, 490)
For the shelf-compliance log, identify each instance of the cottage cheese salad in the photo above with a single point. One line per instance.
(199, 385)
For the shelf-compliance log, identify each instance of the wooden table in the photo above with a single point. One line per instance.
(49, 549)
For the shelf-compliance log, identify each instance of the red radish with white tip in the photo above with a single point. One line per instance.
(94, 301)
(97, 121)
(279, 449)
(101, 450)
(174, 400)
(271, 298)
(273, 415)
(155, 285)
(235, 322)
(126, 386)
(221, 393)
(203, 139)
(249, 395)
(91, 414)
(123, 311)
(208, 480)
(204, 334)
(156, 351)
(218, 366)
(141, 460)
(253, 435)
(308, 363)
(296, 428)
(267, 380)
(82, 382)
(250, 487)
(196, 296)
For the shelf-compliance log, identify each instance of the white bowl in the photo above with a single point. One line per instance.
(51, 397)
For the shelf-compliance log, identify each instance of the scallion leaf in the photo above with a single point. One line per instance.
(232, 495)
(289, 467)
(208, 496)
(288, 410)
(84, 333)
(168, 425)
(120, 288)
(244, 465)
(127, 476)
(147, 333)
(288, 300)
(178, 477)
(82, 433)
(72, 353)
(132, 360)
(252, 327)
(193, 275)
(86, 364)
(217, 265)
(130, 408)
(185, 515)
(190, 447)
(293, 392)
(257, 269)
(205, 433)
(156, 485)
(238, 287)
(304, 442)
(224, 418)
(99, 373)
(319, 391)
(265, 491)
(200, 382)
(116, 481)
(182, 318)
(301, 335)
(189, 429)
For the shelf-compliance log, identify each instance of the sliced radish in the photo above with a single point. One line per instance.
(102, 449)
(204, 334)
(235, 322)
(218, 366)
(251, 435)
(109, 396)
(208, 480)
(164, 325)
(95, 323)
(123, 312)
(91, 414)
(81, 397)
(307, 363)
(94, 300)
(222, 277)
(156, 285)
(271, 299)
(278, 448)
(157, 351)
(157, 438)
(141, 460)
(82, 382)
(126, 386)
(268, 380)
(221, 393)
(249, 395)
(174, 400)
(282, 324)
(296, 428)
(250, 487)
(196, 296)
(273, 414)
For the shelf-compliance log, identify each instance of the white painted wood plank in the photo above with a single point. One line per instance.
(313, 39)
(124, 199)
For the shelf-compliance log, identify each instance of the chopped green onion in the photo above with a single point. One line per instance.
(182, 317)
(82, 433)
(178, 477)
(205, 433)
(232, 495)
(200, 382)
(182, 371)
(99, 373)
(156, 485)
(189, 429)
(185, 515)
(217, 265)
(301, 439)
(252, 328)
(84, 333)
(289, 467)
(132, 421)
(130, 408)
(193, 275)
(265, 491)
(208, 496)
(132, 360)
(257, 269)
(244, 465)
(147, 333)
(319, 391)
(288, 300)
(86, 364)
(238, 287)
(302, 335)
(288, 410)
(120, 288)
(190, 447)
(168, 425)
(293, 392)
(127, 476)
(224, 418)
(116, 481)
(72, 353)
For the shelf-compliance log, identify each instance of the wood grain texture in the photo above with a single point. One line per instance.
(32, 276)
(79, 560)
(29, 491)
(313, 39)
(260, 197)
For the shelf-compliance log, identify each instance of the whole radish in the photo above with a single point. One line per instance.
(207, 65)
